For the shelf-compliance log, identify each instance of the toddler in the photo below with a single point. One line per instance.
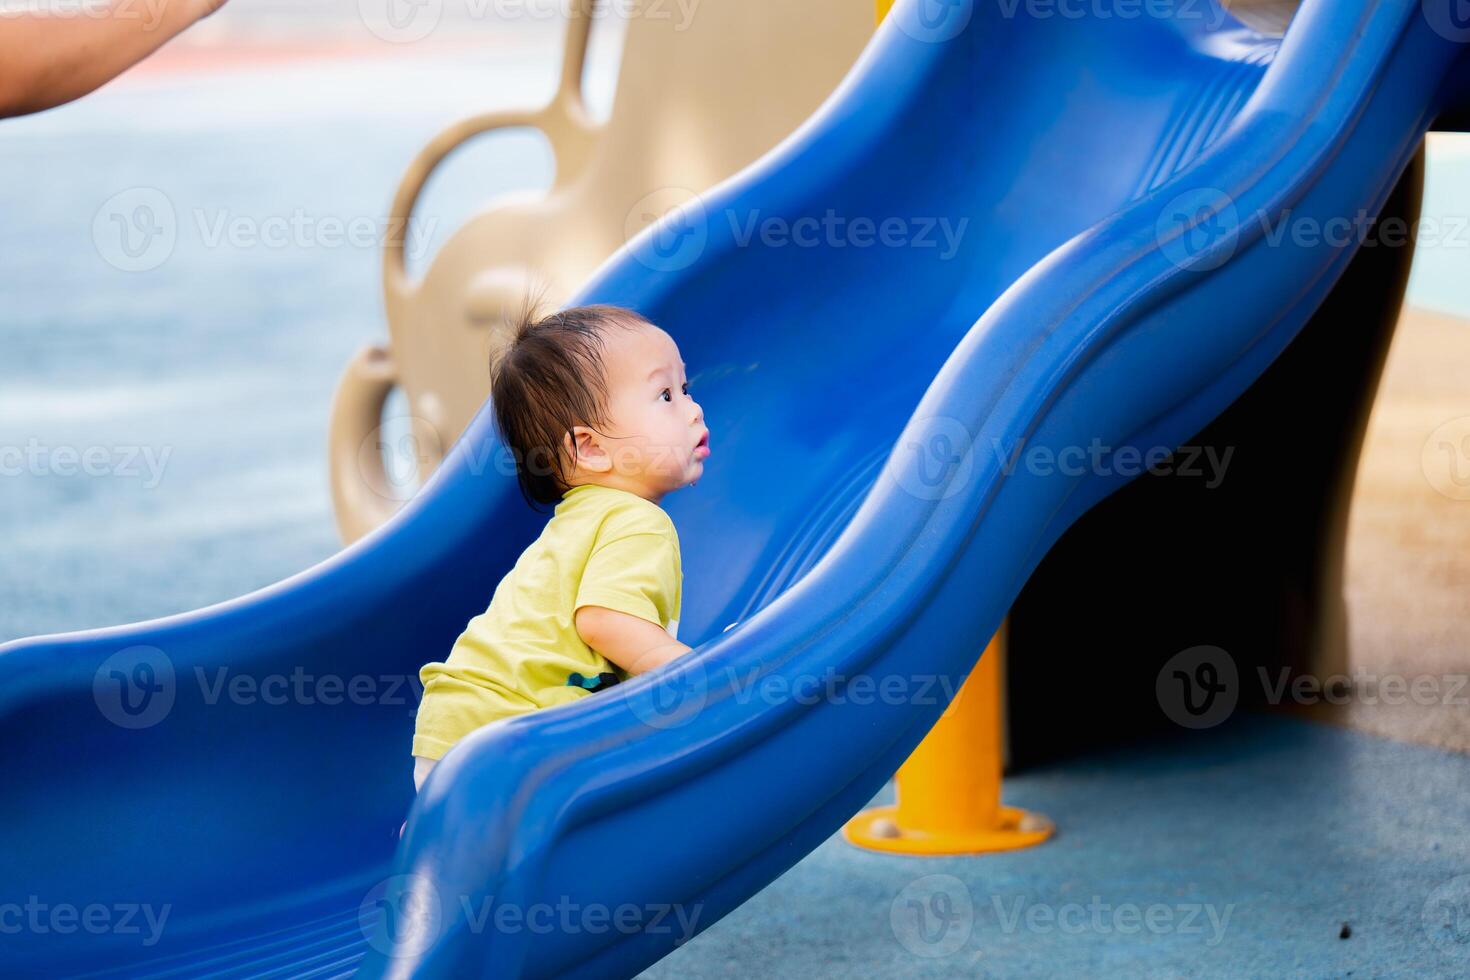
(594, 405)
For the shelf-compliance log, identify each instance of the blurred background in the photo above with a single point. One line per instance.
(198, 373)
(163, 410)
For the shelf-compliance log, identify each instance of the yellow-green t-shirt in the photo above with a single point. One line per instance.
(603, 546)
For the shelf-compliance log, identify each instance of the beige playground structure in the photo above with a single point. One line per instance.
(697, 100)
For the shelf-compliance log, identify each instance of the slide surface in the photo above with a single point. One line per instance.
(1008, 242)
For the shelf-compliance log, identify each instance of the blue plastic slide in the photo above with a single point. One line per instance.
(1012, 228)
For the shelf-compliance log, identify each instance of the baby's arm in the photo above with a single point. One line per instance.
(633, 643)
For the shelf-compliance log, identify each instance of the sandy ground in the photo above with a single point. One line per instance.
(1408, 557)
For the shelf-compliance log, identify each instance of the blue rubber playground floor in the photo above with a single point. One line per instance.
(1270, 847)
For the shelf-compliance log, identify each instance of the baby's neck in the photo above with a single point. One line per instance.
(606, 480)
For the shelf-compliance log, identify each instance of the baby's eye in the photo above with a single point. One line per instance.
(665, 395)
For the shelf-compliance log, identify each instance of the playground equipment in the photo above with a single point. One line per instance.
(948, 791)
(699, 96)
(867, 519)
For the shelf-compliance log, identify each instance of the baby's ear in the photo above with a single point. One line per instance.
(585, 449)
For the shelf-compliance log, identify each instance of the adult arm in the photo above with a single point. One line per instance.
(49, 58)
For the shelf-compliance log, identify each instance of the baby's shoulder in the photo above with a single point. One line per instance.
(607, 514)
(629, 513)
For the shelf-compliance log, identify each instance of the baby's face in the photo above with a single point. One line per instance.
(656, 437)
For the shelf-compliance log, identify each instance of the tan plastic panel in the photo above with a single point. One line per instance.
(697, 100)
(1267, 16)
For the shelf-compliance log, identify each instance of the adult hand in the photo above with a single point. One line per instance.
(51, 56)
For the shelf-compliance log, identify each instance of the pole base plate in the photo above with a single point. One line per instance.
(877, 829)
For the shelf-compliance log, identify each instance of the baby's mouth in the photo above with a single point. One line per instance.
(703, 444)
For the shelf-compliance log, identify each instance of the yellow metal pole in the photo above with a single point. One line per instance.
(949, 789)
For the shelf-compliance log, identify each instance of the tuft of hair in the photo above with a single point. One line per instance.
(549, 378)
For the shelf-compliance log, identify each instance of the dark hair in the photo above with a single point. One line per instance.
(550, 377)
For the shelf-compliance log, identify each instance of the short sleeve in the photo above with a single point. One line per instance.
(636, 573)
